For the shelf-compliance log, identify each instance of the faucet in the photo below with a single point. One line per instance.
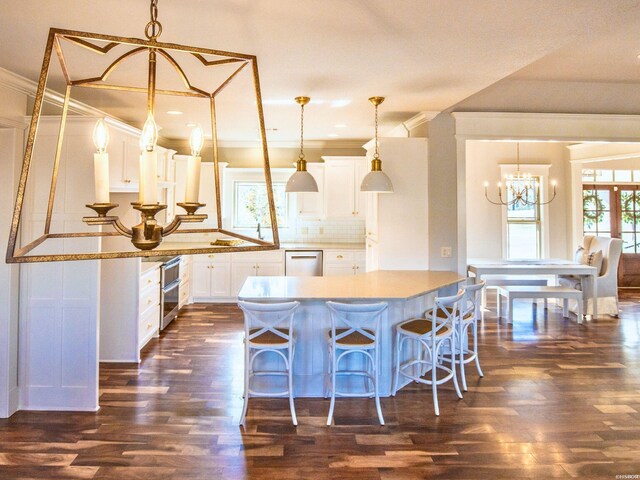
(259, 232)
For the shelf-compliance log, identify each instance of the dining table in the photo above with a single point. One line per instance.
(550, 266)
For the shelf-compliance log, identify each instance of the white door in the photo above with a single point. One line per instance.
(220, 280)
(339, 193)
(239, 273)
(201, 279)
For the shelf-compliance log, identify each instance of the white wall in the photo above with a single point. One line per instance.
(484, 220)
(12, 111)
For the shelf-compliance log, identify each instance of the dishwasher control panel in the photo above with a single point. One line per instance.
(303, 263)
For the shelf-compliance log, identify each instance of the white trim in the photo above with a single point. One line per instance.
(311, 144)
(6, 122)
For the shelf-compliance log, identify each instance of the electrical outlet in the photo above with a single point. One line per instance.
(445, 252)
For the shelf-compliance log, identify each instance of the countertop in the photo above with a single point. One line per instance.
(382, 284)
(283, 246)
(146, 266)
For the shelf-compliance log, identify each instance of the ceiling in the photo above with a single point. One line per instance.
(423, 55)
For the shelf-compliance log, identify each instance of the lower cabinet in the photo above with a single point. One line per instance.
(343, 262)
(184, 290)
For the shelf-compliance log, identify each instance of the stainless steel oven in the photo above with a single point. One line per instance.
(169, 297)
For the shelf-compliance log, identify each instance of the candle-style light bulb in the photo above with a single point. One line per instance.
(101, 136)
(149, 136)
(196, 141)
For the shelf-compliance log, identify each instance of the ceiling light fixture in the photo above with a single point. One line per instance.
(174, 112)
(522, 189)
(147, 235)
(301, 180)
(376, 181)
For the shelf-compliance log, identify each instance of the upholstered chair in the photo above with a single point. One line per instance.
(607, 281)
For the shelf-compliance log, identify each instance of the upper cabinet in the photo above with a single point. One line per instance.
(342, 178)
(311, 205)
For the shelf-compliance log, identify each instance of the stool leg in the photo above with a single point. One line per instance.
(461, 357)
(289, 365)
(475, 347)
(333, 387)
(453, 367)
(510, 309)
(375, 383)
(397, 370)
(247, 373)
(565, 307)
(546, 303)
(434, 385)
(579, 312)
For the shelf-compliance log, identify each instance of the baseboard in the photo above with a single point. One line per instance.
(116, 360)
(14, 400)
(215, 300)
(51, 408)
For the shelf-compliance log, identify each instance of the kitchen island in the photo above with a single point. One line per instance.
(408, 293)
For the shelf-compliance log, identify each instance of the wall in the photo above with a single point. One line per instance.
(12, 111)
(484, 220)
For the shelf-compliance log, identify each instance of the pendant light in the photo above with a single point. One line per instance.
(376, 181)
(301, 180)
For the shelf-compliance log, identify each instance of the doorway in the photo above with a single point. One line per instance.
(614, 211)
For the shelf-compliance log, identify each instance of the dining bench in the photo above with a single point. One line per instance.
(511, 292)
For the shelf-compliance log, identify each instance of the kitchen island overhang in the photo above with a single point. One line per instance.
(408, 294)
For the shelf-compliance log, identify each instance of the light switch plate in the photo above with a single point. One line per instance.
(445, 252)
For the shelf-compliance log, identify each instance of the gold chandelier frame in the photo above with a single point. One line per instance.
(24, 254)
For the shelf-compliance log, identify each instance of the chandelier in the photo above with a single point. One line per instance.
(522, 189)
(301, 180)
(120, 54)
(376, 181)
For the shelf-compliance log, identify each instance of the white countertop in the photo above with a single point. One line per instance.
(283, 246)
(382, 284)
(146, 266)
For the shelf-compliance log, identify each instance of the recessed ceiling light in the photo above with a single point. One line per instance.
(340, 125)
(340, 103)
(174, 112)
(333, 135)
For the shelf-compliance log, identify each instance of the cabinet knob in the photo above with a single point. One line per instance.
(211, 256)
(149, 326)
(149, 280)
(300, 211)
(339, 256)
(149, 302)
(357, 267)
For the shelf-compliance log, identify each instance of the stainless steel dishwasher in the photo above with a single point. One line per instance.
(303, 263)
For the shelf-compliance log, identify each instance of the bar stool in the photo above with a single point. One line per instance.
(348, 336)
(268, 327)
(431, 333)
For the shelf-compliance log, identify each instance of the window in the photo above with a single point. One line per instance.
(630, 220)
(252, 208)
(596, 211)
(610, 176)
(523, 224)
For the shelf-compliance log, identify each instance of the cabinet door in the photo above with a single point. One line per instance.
(360, 205)
(339, 191)
(132, 163)
(361, 262)
(333, 270)
(201, 279)
(371, 218)
(117, 155)
(373, 252)
(311, 205)
(220, 280)
(239, 273)
(270, 269)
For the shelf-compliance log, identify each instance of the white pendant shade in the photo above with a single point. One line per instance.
(301, 182)
(376, 182)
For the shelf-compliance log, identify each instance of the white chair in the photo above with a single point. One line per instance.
(268, 327)
(432, 333)
(607, 281)
(355, 329)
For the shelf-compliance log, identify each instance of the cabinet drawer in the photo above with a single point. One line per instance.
(149, 278)
(339, 256)
(149, 325)
(148, 298)
(213, 258)
(259, 257)
(184, 293)
(360, 257)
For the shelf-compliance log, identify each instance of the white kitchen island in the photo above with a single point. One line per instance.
(408, 293)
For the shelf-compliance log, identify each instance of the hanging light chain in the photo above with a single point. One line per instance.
(301, 156)
(154, 28)
(376, 154)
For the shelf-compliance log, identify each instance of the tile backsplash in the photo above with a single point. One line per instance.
(335, 230)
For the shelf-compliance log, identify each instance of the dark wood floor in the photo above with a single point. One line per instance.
(558, 400)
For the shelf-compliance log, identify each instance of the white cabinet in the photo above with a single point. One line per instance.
(390, 244)
(343, 262)
(148, 305)
(343, 176)
(124, 162)
(211, 276)
(261, 264)
(184, 289)
(310, 205)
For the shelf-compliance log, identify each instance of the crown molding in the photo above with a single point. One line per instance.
(419, 119)
(310, 144)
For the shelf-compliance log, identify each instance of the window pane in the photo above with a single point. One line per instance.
(604, 223)
(590, 221)
(588, 175)
(589, 200)
(636, 175)
(622, 175)
(628, 223)
(520, 195)
(604, 175)
(603, 199)
(626, 200)
(523, 240)
(252, 207)
(628, 243)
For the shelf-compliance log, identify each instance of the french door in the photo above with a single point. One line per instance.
(614, 211)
